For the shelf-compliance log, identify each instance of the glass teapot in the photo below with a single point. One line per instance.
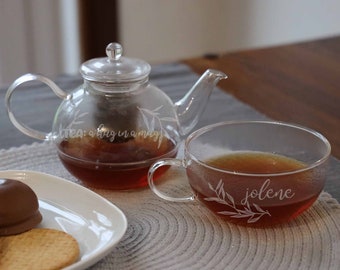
(110, 129)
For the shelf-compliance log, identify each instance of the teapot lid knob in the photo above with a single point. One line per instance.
(115, 68)
(114, 51)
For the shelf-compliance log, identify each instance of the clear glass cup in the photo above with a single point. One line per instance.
(256, 173)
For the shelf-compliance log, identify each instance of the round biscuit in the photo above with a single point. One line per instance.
(39, 248)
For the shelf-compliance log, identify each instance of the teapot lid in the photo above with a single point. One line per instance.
(115, 68)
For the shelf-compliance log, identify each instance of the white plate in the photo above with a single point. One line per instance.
(96, 223)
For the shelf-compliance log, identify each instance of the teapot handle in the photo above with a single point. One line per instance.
(20, 126)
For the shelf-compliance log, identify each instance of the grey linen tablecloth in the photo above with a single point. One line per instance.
(163, 235)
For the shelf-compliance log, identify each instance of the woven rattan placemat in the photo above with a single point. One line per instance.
(165, 235)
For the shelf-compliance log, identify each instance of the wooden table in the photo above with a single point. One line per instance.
(297, 83)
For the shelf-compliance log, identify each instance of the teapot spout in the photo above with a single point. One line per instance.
(190, 108)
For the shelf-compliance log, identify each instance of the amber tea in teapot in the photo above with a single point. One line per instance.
(123, 164)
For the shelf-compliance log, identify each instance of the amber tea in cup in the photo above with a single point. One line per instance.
(253, 173)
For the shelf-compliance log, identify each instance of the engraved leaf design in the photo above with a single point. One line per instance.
(245, 212)
(169, 119)
(151, 119)
(258, 208)
(225, 198)
(243, 216)
(152, 123)
(230, 198)
(145, 119)
(220, 183)
(254, 219)
(76, 120)
(214, 199)
(210, 186)
(227, 213)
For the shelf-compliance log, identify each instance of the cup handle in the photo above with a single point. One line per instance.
(152, 170)
(20, 126)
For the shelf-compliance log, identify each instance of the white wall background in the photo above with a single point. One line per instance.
(42, 35)
(38, 36)
(162, 30)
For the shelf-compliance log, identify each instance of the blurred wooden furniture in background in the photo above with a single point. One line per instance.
(297, 83)
(98, 26)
